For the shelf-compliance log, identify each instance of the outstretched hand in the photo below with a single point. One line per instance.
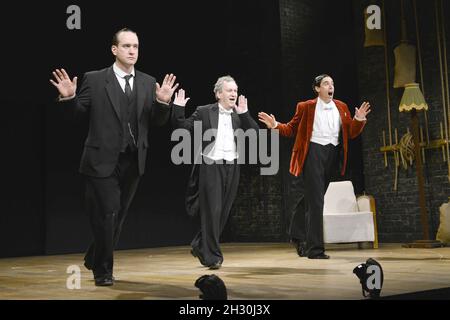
(363, 110)
(65, 86)
(269, 121)
(180, 98)
(165, 91)
(242, 104)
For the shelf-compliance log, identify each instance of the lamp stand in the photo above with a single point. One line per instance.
(425, 242)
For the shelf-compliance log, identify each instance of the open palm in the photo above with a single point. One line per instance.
(165, 91)
(268, 120)
(363, 110)
(180, 98)
(65, 86)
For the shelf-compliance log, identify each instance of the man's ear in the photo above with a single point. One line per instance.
(317, 89)
(114, 50)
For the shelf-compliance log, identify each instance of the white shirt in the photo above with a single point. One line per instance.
(224, 147)
(327, 123)
(120, 74)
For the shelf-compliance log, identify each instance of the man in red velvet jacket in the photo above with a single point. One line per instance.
(321, 127)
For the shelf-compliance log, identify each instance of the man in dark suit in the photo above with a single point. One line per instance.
(218, 173)
(121, 103)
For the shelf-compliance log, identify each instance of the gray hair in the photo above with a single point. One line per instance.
(219, 84)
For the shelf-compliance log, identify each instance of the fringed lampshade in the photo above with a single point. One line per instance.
(412, 99)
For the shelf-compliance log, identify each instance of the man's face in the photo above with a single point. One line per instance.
(127, 49)
(326, 89)
(228, 95)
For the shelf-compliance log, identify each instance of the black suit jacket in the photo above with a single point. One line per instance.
(209, 116)
(98, 98)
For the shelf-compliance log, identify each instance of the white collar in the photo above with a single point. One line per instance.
(225, 111)
(120, 73)
(326, 106)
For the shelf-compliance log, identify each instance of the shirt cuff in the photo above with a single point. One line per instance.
(360, 119)
(162, 102)
(242, 111)
(66, 98)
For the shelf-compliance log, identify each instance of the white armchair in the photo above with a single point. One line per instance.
(347, 218)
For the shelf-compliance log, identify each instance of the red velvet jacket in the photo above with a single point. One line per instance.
(301, 126)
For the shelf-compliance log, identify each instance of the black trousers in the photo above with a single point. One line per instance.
(218, 185)
(296, 210)
(320, 167)
(107, 202)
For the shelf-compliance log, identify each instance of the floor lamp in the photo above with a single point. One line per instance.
(414, 102)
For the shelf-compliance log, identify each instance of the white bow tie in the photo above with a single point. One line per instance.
(225, 111)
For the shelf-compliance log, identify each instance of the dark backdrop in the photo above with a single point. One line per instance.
(197, 40)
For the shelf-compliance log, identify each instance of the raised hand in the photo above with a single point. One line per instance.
(269, 121)
(242, 104)
(165, 91)
(65, 86)
(363, 110)
(180, 99)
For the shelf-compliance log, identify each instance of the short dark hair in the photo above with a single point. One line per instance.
(318, 80)
(115, 39)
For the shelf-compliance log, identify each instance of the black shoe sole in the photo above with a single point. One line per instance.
(323, 257)
(104, 284)
(215, 266)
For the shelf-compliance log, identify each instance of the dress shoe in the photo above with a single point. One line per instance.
(104, 281)
(196, 253)
(215, 266)
(320, 256)
(299, 247)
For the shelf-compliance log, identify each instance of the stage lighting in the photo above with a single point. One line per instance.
(211, 287)
(370, 276)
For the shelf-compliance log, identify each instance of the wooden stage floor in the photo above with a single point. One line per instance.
(250, 271)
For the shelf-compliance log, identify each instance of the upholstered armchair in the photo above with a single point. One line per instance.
(347, 218)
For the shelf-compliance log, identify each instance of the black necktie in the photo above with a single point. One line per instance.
(127, 85)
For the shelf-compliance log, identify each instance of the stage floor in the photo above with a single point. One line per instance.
(250, 271)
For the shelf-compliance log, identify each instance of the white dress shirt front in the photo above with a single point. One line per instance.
(224, 147)
(327, 123)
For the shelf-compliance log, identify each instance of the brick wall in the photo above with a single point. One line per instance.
(305, 33)
(398, 211)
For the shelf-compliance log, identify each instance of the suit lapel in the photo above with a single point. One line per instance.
(311, 114)
(214, 116)
(113, 94)
(139, 84)
(341, 110)
(235, 120)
